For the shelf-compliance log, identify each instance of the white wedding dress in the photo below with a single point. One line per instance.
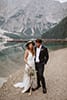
(25, 84)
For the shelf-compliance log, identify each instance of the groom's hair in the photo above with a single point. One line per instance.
(38, 40)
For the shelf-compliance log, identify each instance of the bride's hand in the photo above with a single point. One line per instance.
(30, 66)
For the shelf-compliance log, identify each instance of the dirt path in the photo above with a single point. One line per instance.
(56, 79)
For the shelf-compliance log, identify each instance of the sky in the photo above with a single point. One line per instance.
(62, 1)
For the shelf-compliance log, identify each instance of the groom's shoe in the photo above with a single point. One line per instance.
(44, 91)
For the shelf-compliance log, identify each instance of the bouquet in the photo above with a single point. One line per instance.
(31, 71)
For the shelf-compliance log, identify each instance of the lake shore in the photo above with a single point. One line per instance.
(56, 80)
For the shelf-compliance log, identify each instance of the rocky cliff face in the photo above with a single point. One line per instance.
(30, 18)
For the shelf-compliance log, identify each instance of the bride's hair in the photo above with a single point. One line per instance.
(32, 51)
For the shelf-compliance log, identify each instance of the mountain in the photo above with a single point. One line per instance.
(64, 6)
(30, 18)
(58, 32)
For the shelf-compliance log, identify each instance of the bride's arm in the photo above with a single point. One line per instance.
(25, 57)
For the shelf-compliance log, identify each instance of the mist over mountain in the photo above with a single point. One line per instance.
(30, 18)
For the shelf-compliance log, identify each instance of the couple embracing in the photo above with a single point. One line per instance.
(35, 57)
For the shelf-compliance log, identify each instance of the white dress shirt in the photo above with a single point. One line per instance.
(38, 53)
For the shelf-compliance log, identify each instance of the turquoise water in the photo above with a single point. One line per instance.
(14, 48)
(55, 46)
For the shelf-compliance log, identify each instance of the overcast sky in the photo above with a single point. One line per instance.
(62, 1)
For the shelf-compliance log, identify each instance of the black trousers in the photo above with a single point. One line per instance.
(40, 77)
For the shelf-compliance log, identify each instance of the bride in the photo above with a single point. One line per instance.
(29, 63)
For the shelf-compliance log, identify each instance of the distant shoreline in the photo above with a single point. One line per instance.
(45, 40)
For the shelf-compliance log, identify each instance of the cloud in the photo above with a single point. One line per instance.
(62, 1)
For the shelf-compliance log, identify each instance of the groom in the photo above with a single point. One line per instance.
(41, 58)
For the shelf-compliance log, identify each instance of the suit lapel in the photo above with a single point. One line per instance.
(41, 51)
(35, 53)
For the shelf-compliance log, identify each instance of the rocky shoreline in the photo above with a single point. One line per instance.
(56, 79)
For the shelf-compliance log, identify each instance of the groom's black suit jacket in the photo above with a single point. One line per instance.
(44, 56)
